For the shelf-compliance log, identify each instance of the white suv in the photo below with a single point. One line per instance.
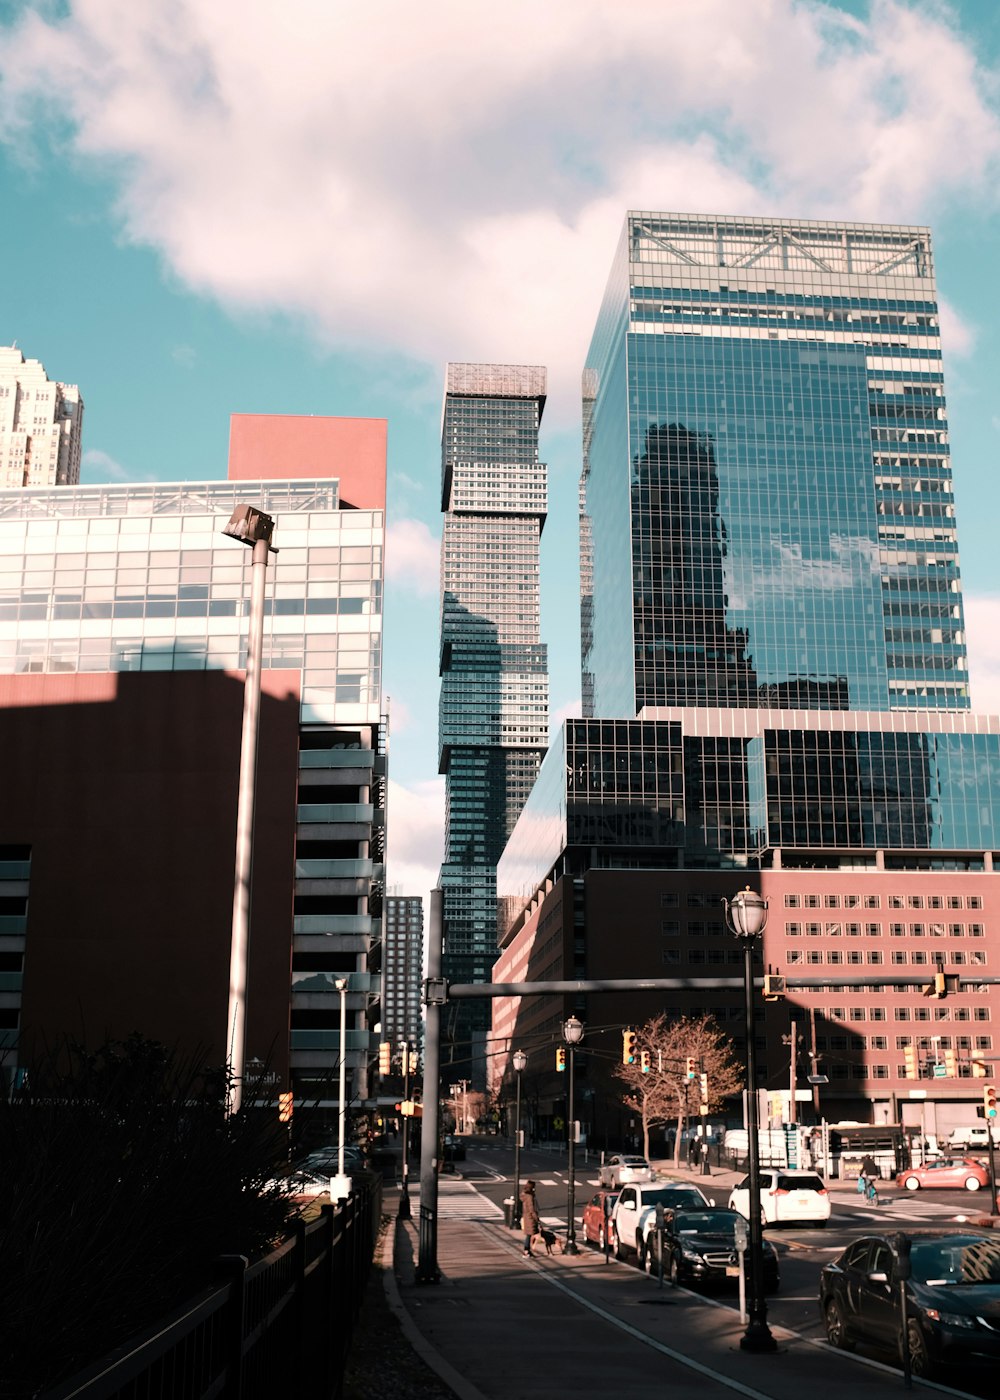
(617, 1170)
(634, 1216)
(784, 1196)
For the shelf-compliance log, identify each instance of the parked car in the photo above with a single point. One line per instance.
(619, 1169)
(635, 1214)
(945, 1172)
(595, 1214)
(325, 1161)
(300, 1183)
(699, 1247)
(974, 1135)
(952, 1298)
(454, 1148)
(785, 1196)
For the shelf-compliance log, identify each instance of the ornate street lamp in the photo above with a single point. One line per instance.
(572, 1034)
(746, 916)
(520, 1062)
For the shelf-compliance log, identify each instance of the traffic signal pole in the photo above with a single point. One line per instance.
(427, 1265)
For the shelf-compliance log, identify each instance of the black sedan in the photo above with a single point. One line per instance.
(699, 1247)
(952, 1297)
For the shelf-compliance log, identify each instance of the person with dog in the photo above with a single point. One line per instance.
(530, 1222)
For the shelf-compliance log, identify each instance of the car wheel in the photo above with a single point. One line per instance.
(836, 1327)
(675, 1270)
(653, 1257)
(972, 1183)
(616, 1241)
(920, 1361)
(640, 1249)
(600, 1239)
(820, 1224)
(912, 1183)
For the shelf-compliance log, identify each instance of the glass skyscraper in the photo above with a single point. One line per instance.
(767, 510)
(774, 678)
(493, 720)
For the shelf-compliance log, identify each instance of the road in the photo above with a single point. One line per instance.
(485, 1178)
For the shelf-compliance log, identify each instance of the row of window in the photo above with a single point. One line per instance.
(834, 930)
(670, 899)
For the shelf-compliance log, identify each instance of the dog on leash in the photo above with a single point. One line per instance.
(553, 1244)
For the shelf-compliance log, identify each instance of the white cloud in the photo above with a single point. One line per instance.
(412, 557)
(97, 467)
(184, 355)
(571, 709)
(415, 836)
(982, 630)
(421, 179)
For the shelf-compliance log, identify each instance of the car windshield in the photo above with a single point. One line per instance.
(672, 1196)
(968, 1259)
(706, 1222)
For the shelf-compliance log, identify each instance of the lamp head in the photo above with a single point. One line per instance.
(248, 525)
(573, 1031)
(746, 914)
(520, 1061)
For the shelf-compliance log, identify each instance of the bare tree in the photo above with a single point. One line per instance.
(657, 1085)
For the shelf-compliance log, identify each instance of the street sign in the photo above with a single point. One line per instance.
(940, 1071)
(817, 1079)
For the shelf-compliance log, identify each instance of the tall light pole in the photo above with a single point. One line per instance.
(520, 1061)
(340, 1186)
(251, 527)
(572, 1034)
(404, 1191)
(746, 917)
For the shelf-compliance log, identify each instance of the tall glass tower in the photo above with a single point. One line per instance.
(767, 516)
(493, 720)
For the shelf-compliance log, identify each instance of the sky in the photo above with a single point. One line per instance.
(244, 207)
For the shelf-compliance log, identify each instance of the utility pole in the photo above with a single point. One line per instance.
(813, 1058)
(793, 1027)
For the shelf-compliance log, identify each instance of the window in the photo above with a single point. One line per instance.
(895, 901)
(880, 1071)
(793, 955)
(873, 930)
(812, 930)
(897, 930)
(835, 957)
(669, 900)
(858, 1013)
(853, 930)
(811, 901)
(880, 1042)
(974, 901)
(954, 901)
(875, 957)
(916, 930)
(670, 928)
(791, 901)
(793, 930)
(876, 1013)
(670, 956)
(915, 901)
(901, 1013)
(898, 957)
(831, 901)
(814, 957)
(873, 901)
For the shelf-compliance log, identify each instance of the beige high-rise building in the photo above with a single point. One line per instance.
(40, 425)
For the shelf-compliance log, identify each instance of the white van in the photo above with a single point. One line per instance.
(974, 1135)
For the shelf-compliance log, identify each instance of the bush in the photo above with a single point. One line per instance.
(123, 1181)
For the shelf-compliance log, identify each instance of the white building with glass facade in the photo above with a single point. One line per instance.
(139, 579)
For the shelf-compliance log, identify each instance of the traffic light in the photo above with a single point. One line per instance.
(774, 986)
(703, 1087)
(950, 1065)
(989, 1100)
(560, 1059)
(385, 1057)
(628, 1047)
(414, 1061)
(692, 1067)
(409, 1109)
(644, 1061)
(285, 1105)
(910, 1056)
(937, 988)
(978, 1068)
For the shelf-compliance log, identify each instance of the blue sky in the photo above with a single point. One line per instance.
(310, 208)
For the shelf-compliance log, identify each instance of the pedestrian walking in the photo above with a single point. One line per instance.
(693, 1151)
(530, 1222)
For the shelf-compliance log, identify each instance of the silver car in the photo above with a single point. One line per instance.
(622, 1169)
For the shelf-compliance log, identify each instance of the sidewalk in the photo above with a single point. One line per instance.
(501, 1327)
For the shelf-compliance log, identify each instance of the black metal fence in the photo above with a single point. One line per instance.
(278, 1328)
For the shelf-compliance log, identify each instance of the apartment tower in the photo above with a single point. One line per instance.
(40, 425)
(493, 718)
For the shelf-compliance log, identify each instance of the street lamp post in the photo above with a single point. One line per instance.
(340, 1186)
(404, 1190)
(520, 1061)
(746, 917)
(251, 527)
(572, 1034)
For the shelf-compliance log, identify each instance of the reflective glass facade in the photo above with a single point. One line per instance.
(493, 718)
(767, 514)
(693, 791)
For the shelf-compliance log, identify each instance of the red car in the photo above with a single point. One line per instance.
(948, 1171)
(595, 1215)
